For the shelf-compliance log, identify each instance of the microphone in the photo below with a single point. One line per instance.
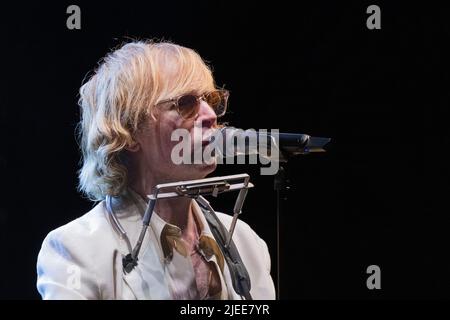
(230, 142)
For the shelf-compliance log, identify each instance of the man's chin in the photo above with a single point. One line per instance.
(202, 170)
(208, 167)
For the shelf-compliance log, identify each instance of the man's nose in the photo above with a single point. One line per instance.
(206, 115)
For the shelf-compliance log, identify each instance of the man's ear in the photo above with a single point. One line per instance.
(133, 147)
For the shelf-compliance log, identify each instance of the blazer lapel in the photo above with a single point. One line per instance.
(147, 279)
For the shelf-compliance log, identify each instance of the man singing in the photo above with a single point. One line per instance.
(137, 97)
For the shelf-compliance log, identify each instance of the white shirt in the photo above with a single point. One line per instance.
(179, 266)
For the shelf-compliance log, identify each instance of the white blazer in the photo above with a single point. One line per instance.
(83, 259)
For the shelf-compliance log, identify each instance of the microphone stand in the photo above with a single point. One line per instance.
(281, 186)
(281, 183)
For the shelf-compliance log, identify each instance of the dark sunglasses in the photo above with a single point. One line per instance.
(188, 105)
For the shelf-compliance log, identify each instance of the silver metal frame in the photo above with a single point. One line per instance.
(195, 189)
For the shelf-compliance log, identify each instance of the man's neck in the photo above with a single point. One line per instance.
(176, 211)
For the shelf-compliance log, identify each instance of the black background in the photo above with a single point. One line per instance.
(378, 196)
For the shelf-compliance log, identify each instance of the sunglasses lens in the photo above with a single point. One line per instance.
(188, 106)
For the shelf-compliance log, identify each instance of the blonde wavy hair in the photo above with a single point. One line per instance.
(120, 96)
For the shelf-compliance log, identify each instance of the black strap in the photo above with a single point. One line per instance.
(239, 274)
